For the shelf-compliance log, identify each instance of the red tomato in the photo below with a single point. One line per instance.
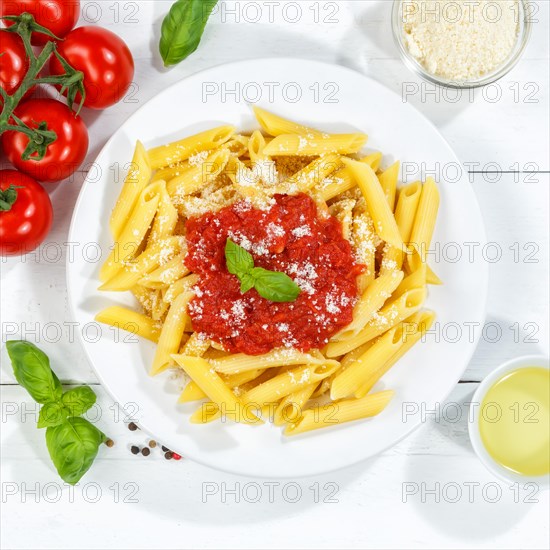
(13, 63)
(105, 60)
(24, 223)
(64, 155)
(58, 16)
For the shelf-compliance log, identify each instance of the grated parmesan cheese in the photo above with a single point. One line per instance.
(460, 39)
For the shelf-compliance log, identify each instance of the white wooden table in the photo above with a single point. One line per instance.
(429, 491)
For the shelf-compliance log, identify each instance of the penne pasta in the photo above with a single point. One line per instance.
(354, 376)
(240, 362)
(370, 302)
(388, 182)
(137, 178)
(178, 151)
(332, 414)
(296, 202)
(390, 315)
(151, 258)
(363, 238)
(275, 125)
(290, 408)
(167, 274)
(311, 176)
(214, 387)
(133, 233)
(130, 321)
(176, 288)
(424, 224)
(165, 220)
(411, 331)
(199, 176)
(381, 214)
(306, 145)
(171, 333)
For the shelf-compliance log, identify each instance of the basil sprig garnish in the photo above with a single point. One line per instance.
(271, 285)
(72, 442)
(182, 29)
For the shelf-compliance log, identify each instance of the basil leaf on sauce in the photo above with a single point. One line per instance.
(275, 286)
(239, 261)
(271, 285)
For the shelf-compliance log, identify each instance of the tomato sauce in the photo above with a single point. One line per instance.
(289, 237)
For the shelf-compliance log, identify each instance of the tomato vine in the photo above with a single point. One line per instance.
(72, 82)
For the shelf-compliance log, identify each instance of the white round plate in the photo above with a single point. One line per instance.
(331, 98)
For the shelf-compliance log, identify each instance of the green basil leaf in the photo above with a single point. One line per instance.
(275, 286)
(247, 282)
(79, 400)
(31, 367)
(52, 414)
(239, 261)
(182, 29)
(73, 446)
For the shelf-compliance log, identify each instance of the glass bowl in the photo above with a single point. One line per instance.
(414, 65)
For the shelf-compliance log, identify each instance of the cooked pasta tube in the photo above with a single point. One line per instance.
(390, 315)
(414, 280)
(333, 414)
(377, 205)
(424, 224)
(240, 362)
(176, 288)
(199, 176)
(165, 220)
(431, 277)
(137, 178)
(171, 333)
(412, 330)
(167, 274)
(151, 258)
(405, 212)
(278, 387)
(305, 145)
(312, 175)
(192, 392)
(130, 321)
(354, 376)
(215, 388)
(290, 408)
(388, 182)
(171, 171)
(132, 234)
(370, 302)
(275, 125)
(181, 150)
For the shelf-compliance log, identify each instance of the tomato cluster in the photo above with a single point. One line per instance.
(107, 67)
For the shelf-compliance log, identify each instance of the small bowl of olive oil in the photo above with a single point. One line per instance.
(510, 421)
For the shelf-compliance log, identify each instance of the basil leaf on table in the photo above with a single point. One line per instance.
(73, 446)
(79, 400)
(52, 414)
(275, 286)
(72, 441)
(182, 29)
(31, 367)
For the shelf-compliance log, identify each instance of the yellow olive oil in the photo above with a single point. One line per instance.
(514, 421)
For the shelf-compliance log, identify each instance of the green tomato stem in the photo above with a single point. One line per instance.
(40, 138)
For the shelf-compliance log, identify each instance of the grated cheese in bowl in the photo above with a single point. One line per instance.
(461, 43)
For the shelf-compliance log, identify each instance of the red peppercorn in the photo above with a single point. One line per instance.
(176, 456)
